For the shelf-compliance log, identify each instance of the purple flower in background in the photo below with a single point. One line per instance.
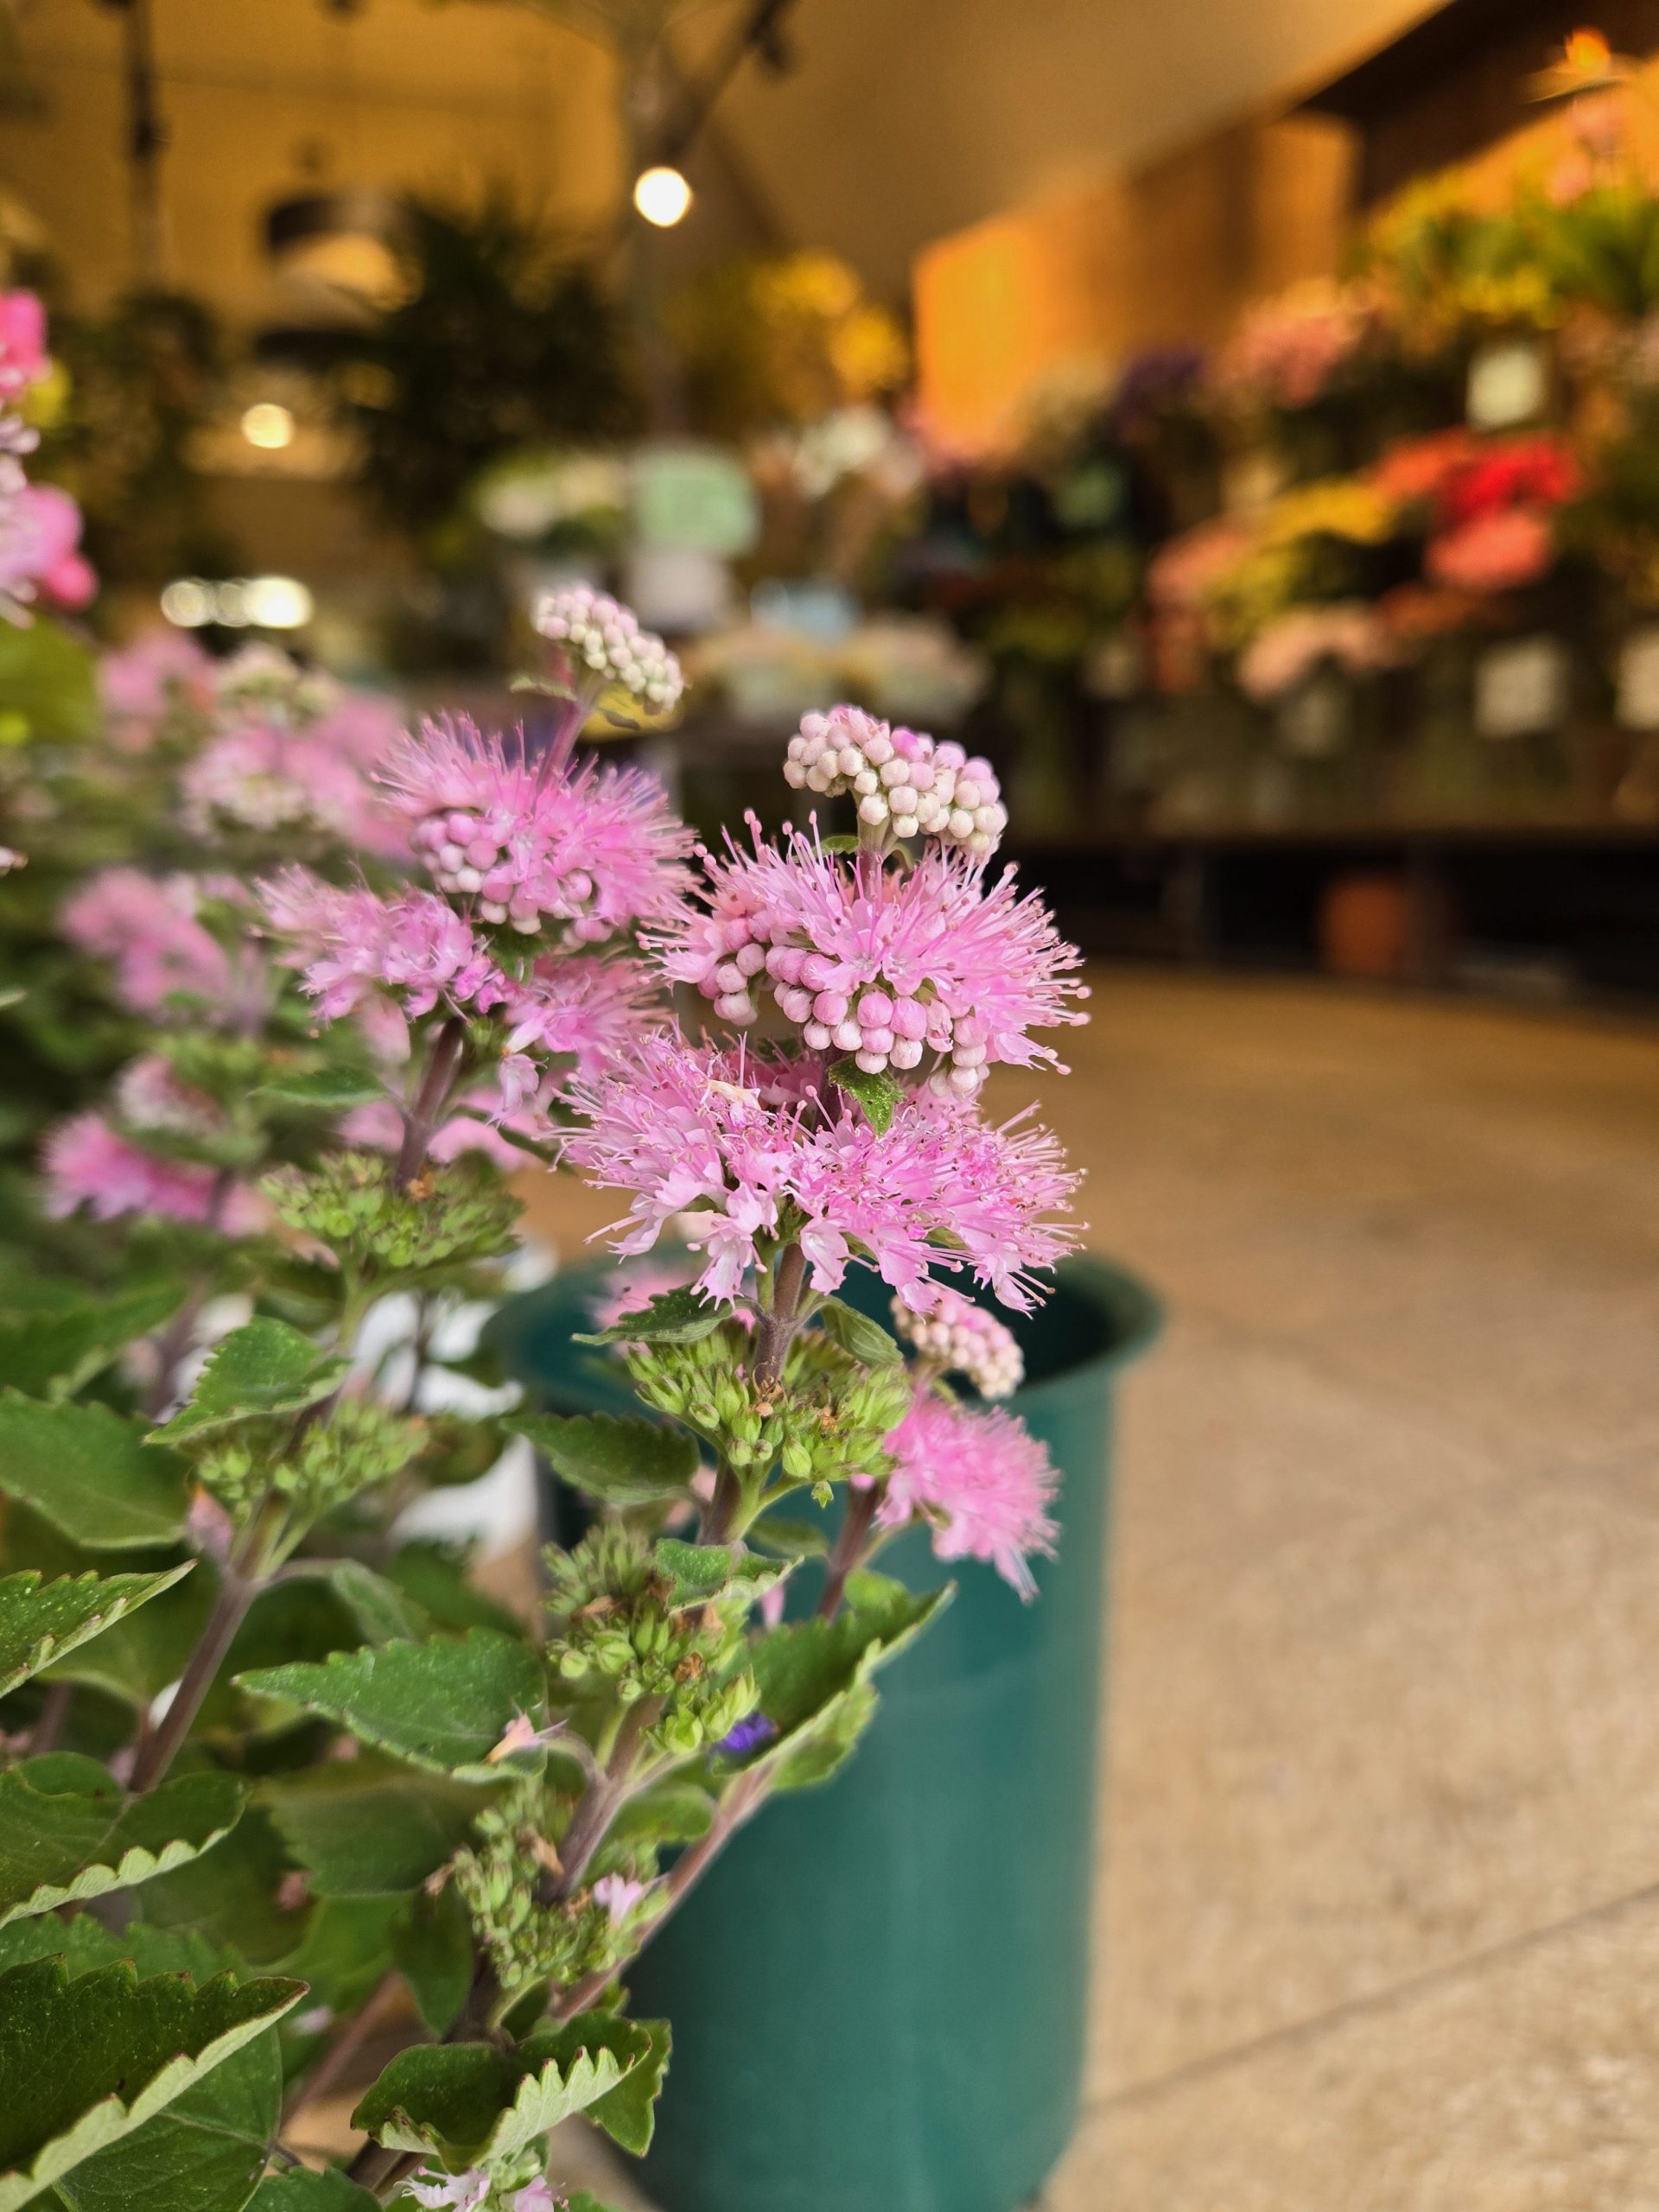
(748, 1736)
(1161, 375)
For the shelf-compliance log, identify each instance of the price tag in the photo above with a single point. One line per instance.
(1520, 687)
(695, 499)
(1509, 384)
(1637, 703)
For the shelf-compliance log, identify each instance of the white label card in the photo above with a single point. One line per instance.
(1509, 385)
(1520, 687)
(1638, 704)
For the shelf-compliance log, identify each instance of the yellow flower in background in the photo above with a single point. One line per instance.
(1335, 506)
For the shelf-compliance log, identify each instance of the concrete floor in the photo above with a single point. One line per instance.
(1378, 1915)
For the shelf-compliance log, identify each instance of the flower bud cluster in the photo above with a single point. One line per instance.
(898, 777)
(618, 1623)
(449, 1215)
(603, 638)
(360, 1444)
(959, 1337)
(509, 1879)
(825, 1425)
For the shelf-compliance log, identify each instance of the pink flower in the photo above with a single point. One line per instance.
(1185, 572)
(594, 848)
(1288, 352)
(23, 359)
(980, 1478)
(618, 1895)
(1500, 550)
(888, 964)
(959, 1337)
(749, 1153)
(39, 533)
(269, 779)
(350, 943)
(149, 930)
(158, 675)
(87, 1163)
(1290, 649)
(582, 1012)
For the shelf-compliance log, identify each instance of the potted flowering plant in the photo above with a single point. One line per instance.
(275, 1780)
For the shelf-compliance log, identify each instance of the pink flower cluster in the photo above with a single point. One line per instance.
(40, 525)
(144, 686)
(605, 647)
(1285, 653)
(960, 1338)
(900, 776)
(151, 929)
(889, 965)
(594, 848)
(1289, 351)
(88, 1162)
(750, 1151)
(981, 1479)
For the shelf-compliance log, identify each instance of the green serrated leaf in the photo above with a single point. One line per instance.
(204, 2153)
(380, 1610)
(261, 1369)
(844, 842)
(698, 1575)
(347, 1952)
(42, 1622)
(879, 1095)
(435, 1575)
(787, 1538)
(68, 1831)
(368, 1827)
(235, 1898)
(814, 1679)
(862, 1338)
(89, 1473)
(52, 1353)
(624, 1462)
(89, 2061)
(467, 2103)
(443, 1705)
(299, 2191)
(432, 1948)
(329, 1091)
(628, 2113)
(674, 1317)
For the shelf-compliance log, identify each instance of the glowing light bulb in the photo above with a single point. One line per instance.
(662, 196)
(268, 426)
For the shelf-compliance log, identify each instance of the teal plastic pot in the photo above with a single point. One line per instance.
(878, 1992)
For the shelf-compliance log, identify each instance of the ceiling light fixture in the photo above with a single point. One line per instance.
(268, 425)
(662, 196)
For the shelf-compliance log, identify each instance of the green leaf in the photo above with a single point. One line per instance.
(863, 1339)
(787, 1538)
(299, 2191)
(435, 1576)
(69, 1832)
(443, 1705)
(380, 1610)
(347, 1952)
(697, 1574)
(204, 2153)
(89, 1473)
(54, 1353)
(674, 1317)
(845, 843)
(233, 1897)
(368, 1827)
(814, 1678)
(623, 1462)
(261, 1369)
(87, 2061)
(672, 1811)
(877, 1094)
(628, 2114)
(432, 1948)
(466, 2103)
(48, 678)
(329, 1091)
(40, 1622)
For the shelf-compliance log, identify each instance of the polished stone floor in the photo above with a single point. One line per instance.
(1378, 1912)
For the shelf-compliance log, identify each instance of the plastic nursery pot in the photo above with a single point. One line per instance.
(878, 1992)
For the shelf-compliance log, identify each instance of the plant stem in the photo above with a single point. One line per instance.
(775, 1330)
(344, 2048)
(420, 1120)
(237, 1591)
(48, 1725)
(600, 1801)
(849, 1546)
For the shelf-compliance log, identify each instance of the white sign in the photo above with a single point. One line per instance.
(1637, 705)
(1314, 721)
(1509, 384)
(1520, 688)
